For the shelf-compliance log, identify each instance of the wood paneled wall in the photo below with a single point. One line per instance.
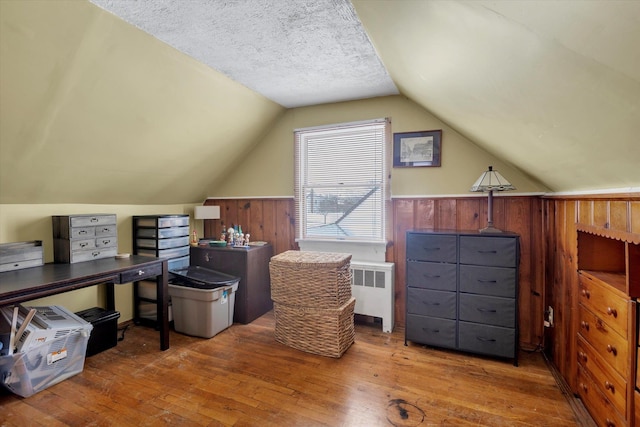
(620, 214)
(273, 220)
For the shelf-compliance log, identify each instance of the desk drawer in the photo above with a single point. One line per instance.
(141, 273)
(81, 256)
(431, 275)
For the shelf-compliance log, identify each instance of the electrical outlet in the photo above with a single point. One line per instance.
(550, 316)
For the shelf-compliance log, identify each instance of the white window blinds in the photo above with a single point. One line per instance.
(342, 186)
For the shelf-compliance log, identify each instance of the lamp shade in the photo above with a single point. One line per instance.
(207, 212)
(491, 180)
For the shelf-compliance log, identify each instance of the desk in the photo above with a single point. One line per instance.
(51, 279)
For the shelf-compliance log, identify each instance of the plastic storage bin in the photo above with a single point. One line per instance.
(202, 301)
(43, 365)
(105, 329)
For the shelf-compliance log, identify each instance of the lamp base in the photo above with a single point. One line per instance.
(489, 229)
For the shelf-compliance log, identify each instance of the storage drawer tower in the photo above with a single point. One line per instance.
(161, 236)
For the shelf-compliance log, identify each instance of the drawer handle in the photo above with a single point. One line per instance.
(610, 423)
(487, 252)
(82, 232)
(586, 293)
(430, 303)
(435, 331)
(584, 387)
(140, 272)
(105, 229)
(94, 219)
(609, 386)
(428, 276)
(584, 325)
(486, 339)
(487, 281)
(206, 257)
(612, 312)
(582, 356)
(95, 254)
(486, 310)
(106, 242)
(82, 245)
(611, 349)
(430, 249)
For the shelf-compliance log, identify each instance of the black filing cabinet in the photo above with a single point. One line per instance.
(462, 291)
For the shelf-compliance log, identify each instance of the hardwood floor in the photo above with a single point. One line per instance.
(242, 377)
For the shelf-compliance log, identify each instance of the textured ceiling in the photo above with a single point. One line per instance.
(296, 53)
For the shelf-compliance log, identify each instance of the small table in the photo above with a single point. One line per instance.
(51, 279)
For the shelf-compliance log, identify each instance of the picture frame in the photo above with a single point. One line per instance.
(417, 149)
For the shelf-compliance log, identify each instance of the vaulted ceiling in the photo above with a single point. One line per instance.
(550, 87)
(529, 81)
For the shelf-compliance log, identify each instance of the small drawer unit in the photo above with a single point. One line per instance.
(79, 238)
(19, 255)
(160, 236)
(462, 291)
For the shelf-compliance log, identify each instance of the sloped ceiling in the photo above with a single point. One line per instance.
(551, 87)
(545, 85)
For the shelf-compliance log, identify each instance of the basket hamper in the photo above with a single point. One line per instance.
(311, 279)
(322, 331)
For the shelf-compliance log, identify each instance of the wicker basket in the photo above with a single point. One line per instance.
(327, 332)
(311, 279)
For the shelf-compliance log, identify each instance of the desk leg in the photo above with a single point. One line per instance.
(111, 297)
(162, 296)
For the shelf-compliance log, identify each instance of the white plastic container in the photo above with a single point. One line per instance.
(202, 312)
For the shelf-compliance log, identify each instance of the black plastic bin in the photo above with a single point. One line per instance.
(105, 329)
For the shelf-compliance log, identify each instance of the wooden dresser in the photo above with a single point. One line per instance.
(607, 340)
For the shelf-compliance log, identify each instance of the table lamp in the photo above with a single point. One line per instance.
(205, 212)
(491, 181)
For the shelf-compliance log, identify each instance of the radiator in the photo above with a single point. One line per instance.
(372, 287)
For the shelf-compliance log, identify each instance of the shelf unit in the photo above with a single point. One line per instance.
(160, 236)
(607, 338)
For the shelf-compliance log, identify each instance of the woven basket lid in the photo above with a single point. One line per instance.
(318, 259)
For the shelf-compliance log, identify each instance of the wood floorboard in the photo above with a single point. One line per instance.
(243, 377)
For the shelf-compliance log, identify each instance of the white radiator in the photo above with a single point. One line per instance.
(372, 287)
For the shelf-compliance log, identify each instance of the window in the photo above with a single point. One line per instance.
(342, 186)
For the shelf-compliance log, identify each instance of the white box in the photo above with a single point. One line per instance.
(202, 312)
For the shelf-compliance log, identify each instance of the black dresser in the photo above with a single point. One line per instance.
(462, 291)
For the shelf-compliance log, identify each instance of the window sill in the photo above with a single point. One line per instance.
(367, 251)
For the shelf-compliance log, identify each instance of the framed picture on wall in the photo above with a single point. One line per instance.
(415, 149)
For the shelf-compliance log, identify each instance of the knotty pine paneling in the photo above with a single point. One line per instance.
(273, 220)
(561, 216)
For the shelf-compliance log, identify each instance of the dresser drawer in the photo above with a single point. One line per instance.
(432, 331)
(599, 406)
(106, 230)
(610, 383)
(496, 281)
(488, 310)
(162, 233)
(81, 232)
(611, 346)
(165, 253)
(487, 339)
(91, 220)
(431, 247)
(431, 275)
(431, 303)
(603, 301)
(489, 251)
(106, 242)
(163, 243)
(89, 255)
